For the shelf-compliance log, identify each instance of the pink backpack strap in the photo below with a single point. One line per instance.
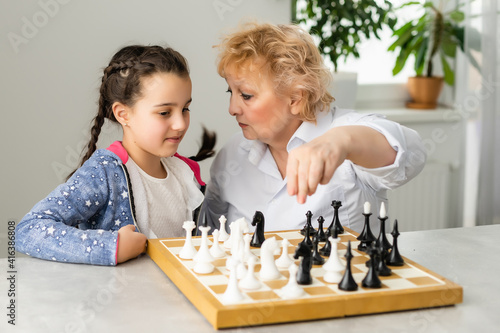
(194, 166)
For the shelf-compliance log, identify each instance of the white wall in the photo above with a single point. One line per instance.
(51, 60)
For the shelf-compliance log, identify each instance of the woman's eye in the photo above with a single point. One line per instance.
(246, 97)
(164, 113)
(229, 91)
(185, 110)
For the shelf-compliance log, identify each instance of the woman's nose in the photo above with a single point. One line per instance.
(234, 108)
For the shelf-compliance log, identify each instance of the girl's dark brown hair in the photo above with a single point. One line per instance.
(121, 82)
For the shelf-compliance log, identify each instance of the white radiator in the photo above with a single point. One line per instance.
(422, 203)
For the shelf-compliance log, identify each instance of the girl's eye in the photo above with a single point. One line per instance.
(246, 97)
(229, 91)
(165, 113)
(185, 110)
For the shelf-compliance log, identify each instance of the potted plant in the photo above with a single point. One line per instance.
(434, 34)
(339, 26)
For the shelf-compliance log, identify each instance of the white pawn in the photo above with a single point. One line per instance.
(232, 293)
(284, 261)
(223, 235)
(247, 254)
(333, 265)
(228, 243)
(249, 281)
(188, 251)
(292, 288)
(203, 258)
(215, 250)
(268, 269)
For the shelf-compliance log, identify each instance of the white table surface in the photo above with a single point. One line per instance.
(138, 297)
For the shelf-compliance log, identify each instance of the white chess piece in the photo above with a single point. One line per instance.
(249, 281)
(333, 265)
(238, 228)
(203, 258)
(268, 269)
(188, 251)
(237, 250)
(215, 250)
(247, 254)
(228, 243)
(223, 235)
(292, 288)
(232, 293)
(284, 261)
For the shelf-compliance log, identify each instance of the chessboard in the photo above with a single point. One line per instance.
(410, 286)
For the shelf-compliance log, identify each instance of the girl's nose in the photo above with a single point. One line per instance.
(180, 121)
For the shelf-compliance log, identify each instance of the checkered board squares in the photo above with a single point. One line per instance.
(410, 286)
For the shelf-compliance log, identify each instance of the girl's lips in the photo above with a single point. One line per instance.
(176, 139)
(242, 125)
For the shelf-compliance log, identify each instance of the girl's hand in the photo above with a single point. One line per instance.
(131, 243)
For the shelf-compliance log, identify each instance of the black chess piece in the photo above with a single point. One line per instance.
(327, 248)
(366, 237)
(307, 237)
(371, 279)
(394, 258)
(337, 225)
(321, 232)
(336, 204)
(309, 225)
(347, 283)
(382, 268)
(382, 238)
(304, 272)
(317, 259)
(258, 236)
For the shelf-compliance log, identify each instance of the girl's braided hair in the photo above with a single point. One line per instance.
(121, 82)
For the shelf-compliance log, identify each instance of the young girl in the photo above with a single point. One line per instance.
(136, 189)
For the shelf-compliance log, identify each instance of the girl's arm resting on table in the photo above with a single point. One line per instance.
(49, 231)
(130, 243)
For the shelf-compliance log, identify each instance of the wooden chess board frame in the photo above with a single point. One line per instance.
(330, 305)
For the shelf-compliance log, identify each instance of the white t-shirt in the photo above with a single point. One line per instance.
(168, 201)
(245, 178)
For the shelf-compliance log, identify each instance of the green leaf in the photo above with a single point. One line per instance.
(449, 47)
(405, 52)
(457, 16)
(403, 29)
(410, 3)
(420, 56)
(459, 34)
(407, 34)
(449, 75)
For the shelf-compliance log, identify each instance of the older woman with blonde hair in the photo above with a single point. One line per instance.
(293, 143)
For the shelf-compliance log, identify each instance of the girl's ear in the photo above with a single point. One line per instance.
(121, 113)
(296, 100)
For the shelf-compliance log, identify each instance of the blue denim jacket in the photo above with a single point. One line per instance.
(78, 222)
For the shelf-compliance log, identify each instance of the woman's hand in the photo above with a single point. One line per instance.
(315, 162)
(130, 244)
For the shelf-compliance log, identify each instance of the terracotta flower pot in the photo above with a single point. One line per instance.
(424, 92)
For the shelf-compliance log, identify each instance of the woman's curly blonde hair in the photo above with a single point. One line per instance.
(290, 57)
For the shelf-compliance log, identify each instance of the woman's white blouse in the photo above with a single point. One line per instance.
(245, 178)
